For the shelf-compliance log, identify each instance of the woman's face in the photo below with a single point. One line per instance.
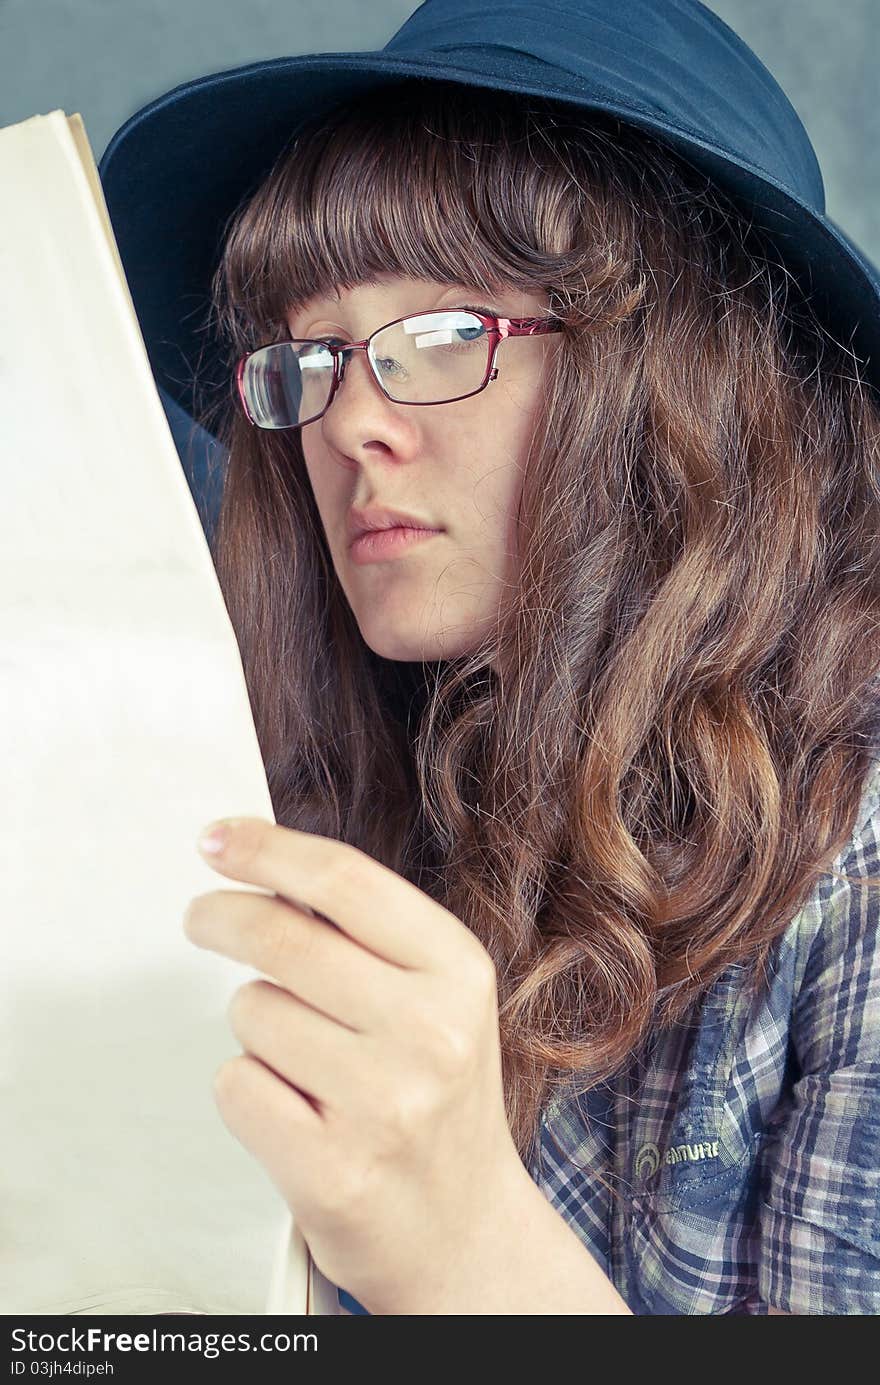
(455, 466)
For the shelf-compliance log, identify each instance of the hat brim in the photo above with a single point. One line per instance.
(176, 170)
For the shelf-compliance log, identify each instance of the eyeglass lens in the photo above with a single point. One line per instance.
(429, 358)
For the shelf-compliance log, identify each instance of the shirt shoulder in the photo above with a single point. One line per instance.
(820, 1172)
(698, 1160)
(823, 927)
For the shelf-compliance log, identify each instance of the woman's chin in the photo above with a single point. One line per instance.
(410, 642)
(390, 644)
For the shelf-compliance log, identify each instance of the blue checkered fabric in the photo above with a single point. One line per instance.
(736, 1163)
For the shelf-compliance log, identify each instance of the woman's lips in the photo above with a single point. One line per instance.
(381, 545)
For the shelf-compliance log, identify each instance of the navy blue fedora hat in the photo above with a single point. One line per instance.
(177, 169)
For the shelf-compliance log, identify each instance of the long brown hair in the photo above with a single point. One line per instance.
(637, 780)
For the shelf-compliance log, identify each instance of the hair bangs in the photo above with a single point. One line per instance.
(355, 197)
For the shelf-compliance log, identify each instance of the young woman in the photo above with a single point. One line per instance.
(598, 719)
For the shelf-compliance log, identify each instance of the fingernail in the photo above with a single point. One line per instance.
(214, 837)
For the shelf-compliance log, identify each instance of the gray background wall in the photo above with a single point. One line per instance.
(106, 58)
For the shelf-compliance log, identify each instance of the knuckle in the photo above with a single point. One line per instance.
(346, 872)
(407, 1111)
(274, 942)
(303, 937)
(193, 914)
(243, 1004)
(228, 1081)
(450, 1049)
(482, 973)
(344, 1189)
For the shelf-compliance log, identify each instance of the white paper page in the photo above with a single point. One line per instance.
(125, 728)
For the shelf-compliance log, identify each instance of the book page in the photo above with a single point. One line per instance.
(126, 727)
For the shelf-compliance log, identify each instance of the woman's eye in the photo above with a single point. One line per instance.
(388, 364)
(471, 333)
(312, 349)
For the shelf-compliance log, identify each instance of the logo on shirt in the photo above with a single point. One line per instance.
(649, 1158)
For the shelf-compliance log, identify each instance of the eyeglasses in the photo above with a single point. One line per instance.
(425, 358)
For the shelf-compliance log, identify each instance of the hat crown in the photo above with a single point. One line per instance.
(674, 60)
(175, 171)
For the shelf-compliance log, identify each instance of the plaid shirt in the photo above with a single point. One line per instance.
(743, 1148)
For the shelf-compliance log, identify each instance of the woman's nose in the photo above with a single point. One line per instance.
(357, 356)
(361, 413)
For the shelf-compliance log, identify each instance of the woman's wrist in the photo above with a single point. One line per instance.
(522, 1259)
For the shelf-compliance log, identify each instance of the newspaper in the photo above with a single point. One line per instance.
(126, 727)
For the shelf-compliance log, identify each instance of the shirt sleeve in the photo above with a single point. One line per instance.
(820, 1183)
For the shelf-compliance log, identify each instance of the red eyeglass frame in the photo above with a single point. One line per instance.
(498, 328)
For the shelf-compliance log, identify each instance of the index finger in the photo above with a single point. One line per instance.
(372, 904)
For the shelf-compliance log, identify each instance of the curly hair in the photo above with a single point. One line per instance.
(636, 779)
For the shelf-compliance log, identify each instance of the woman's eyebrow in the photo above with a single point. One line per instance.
(296, 315)
(312, 305)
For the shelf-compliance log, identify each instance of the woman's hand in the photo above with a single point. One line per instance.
(370, 1086)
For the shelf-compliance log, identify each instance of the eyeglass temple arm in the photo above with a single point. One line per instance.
(528, 326)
